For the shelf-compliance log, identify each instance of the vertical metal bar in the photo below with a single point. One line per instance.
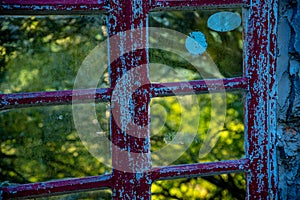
(130, 137)
(127, 25)
(260, 65)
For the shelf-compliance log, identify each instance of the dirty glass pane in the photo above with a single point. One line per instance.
(225, 186)
(189, 45)
(45, 143)
(44, 53)
(92, 195)
(197, 128)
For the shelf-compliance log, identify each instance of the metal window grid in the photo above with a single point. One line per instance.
(258, 82)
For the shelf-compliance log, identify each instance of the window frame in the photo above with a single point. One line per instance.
(258, 82)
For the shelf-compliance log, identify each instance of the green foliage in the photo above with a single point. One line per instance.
(40, 144)
(225, 49)
(52, 48)
(168, 115)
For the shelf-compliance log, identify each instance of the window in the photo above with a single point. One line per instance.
(130, 92)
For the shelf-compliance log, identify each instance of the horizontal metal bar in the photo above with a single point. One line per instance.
(200, 169)
(57, 187)
(30, 99)
(53, 2)
(45, 7)
(21, 100)
(105, 181)
(199, 86)
(192, 4)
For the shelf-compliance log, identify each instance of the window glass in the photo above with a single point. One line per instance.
(198, 44)
(42, 143)
(197, 128)
(225, 186)
(44, 53)
(100, 195)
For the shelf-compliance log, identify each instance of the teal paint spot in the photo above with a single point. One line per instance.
(224, 21)
(196, 43)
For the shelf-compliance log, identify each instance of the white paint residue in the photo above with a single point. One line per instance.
(224, 21)
(196, 43)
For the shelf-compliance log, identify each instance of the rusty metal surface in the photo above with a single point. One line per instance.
(63, 186)
(106, 181)
(68, 6)
(133, 175)
(65, 97)
(260, 63)
(128, 70)
(21, 7)
(22, 100)
(200, 169)
(192, 4)
(198, 87)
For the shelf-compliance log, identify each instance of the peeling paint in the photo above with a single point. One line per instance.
(133, 137)
(30, 99)
(184, 4)
(260, 63)
(32, 7)
(52, 187)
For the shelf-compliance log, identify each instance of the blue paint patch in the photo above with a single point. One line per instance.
(83, 7)
(224, 21)
(138, 176)
(196, 43)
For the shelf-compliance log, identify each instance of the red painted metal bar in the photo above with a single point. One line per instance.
(260, 60)
(198, 86)
(190, 4)
(127, 20)
(260, 65)
(65, 186)
(200, 169)
(57, 187)
(32, 7)
(30, 99)
(18, 100)
(52, 2)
